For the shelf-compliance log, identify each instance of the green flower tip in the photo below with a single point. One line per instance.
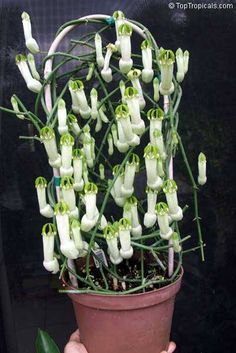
(131, 92)
(134, 159)
(150, 190)
(157, 133)
(47, 133)
(67, 140)
(19, 58)
(124, 224)
(77, 154)
(41, 182)
(88, 140)
(186, 54)
(125, 30)
(71, 119)
(175, 237)
(109, 137)
(25, 16)
(94, 92)
(76, 85)
(114, 128)
(74, 223)
(122, 84)
(132, 200)
(86, 129)
(202, 157)
(90, 188)
(111, 47)
(122, 111)
(169, 186)
(101, 167)
(30, 57)
(13, 100)
(49, 229)
(166, 57)
(132, 74)
(118, 15)
(116, 168)
(146, 44)
(179, 53)
(61, 104)
(110, 232)
(151, 152)
(155, 81)
(67, 183)
(61, 208)
(155, 114)
(161, 209)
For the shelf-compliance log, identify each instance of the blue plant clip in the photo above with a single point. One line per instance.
(57, 180)
(110, 21)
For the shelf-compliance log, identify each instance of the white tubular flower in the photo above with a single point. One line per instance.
(157, 140)
(67, 142)
(175, 241)
(44, 208)
(166, 60)
(62, 117)
(76, 234)
(67, 246)
(78, 157)
(202, 179)
(98, 126)
(136, 228)
(98, 48)
(116, 189)
(162, 211)
(147, 72)
(85, 172)
(180, 64)
(15, 107)
(170, 189)
(150, 216)
(155, 115)
(94, 103)
(106, 71)
(32, 84)
(132, 99)
(122, 144)
(122, 91)
(90, 71)
(151, 155)
(111, 235)
(50, 262)
(32, 66)
(114, 134)
(110, 144)
(47, 136)
(90, 196)
(123, 117)
(88, 149)
(131, 167)
(134, 75)
(126, 250)
(68, 195)
(156, 95)
(30, 42)
(119, 20)
(79, 100)
(101, 171)
(73, 124)
(186, 61)
(127, 211)
(125, 63)
(102, 114)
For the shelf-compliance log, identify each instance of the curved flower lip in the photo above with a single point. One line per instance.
(150, 190)
(131, 92)
(162, 209)
(76, 85)
(124, 224)
(151, 152)
(19, 58)
(61, 208)
(155, 114)
(41, 182)
(122, 111)
(90, 188)
(135, 73)
(47, 133)
(169, 186)
(110, 232)
(166, 57)
(116, 168)
(202, 157)
(134, 160)
(77, 154)
(146, 44)
(67, 140)
(74, 223)
(67, 183)
(125, 30)
(49, 229)
(132, 200)
(71, 119)
(111, 47)
(118, 15)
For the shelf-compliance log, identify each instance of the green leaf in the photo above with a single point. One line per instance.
(45, 344)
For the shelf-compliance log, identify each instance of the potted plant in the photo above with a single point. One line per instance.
(109, 124)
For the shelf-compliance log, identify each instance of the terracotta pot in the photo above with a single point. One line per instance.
(136, 323)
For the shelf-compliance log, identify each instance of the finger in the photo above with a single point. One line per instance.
(172, 347)
(75, 347)
(75, 336)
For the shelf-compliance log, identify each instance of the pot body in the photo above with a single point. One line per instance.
(136, 323)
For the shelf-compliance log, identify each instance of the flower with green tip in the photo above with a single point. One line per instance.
(150, 216)
(131, 168)
(62, 117)
(132, 100)
(89, 150)
(122, 144)
(47, 136)
(106, 71)
(170, 189)
(157, 140)
(147, 72)
(123, 117)
(50, 262)
(119, 20)
(133, 75)
(162, 212)
(44, 207)
(110, 144)
(156, 116)
(114, 134)
(76, 234)
(102, 171)
(102, 114)
(136, 228)
(116, 189)
(110, 234)
(15, 107)
(186, 61)
(90, 196)
(151, 155)
(126, 250)
(79, 100)
(67, 142)
(94, 103)
(175, 242)
(67, 245)
(90, 71)
(125, 62)
(122, 91)
(78, 157)
(156, 95)
(166, 61)
(73, 124)
(98, 48)
(32, 66)
(202, 178)
(180, 64)
(30, 42)
(32, 84)
(68, 194)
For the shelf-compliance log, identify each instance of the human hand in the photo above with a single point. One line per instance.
(75, 346)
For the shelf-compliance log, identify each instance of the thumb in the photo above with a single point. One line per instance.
(75, 347)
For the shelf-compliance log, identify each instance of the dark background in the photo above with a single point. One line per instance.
(204, 320)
